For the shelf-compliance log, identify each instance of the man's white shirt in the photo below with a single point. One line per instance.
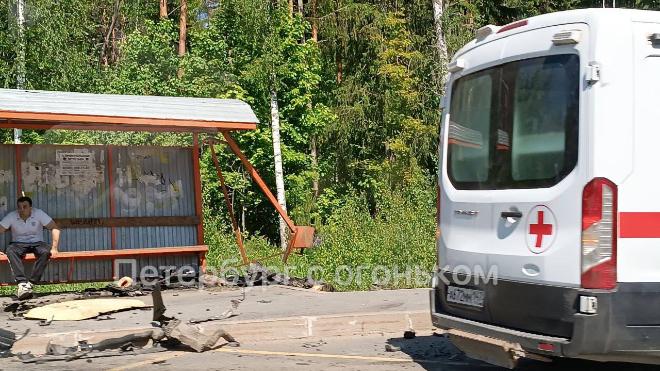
(28, 231)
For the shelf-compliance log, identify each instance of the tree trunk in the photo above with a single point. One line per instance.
(315, 21)
(277, 155)
(315, 166)
(163, 9)
(20, 57)
(301, 9)
(438, 10)
(441, 44)
(110, 35)
(339, 50)
(183, 32)
(243, 212)
(291, 8)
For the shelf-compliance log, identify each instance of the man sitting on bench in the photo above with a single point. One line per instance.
(27, 225)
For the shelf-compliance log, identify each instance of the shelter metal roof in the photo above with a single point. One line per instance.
(30, 109)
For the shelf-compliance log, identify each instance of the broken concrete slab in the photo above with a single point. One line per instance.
(196, 338)
(7, 339)
(78, 310)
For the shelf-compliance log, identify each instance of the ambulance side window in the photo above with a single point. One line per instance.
(545, 110)
(469, 128)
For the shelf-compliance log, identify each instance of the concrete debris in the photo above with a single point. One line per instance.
(193, 337)
(7, 339)
(392, 348)
(125, 287)
(209, 280)
(47, 322)
(137, 340)
(190, 335)
(30, 358)
(168, 332)
(226, 314)
(231, 312)
(77, 310)
(317, 344)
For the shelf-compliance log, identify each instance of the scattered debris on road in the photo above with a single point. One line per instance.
(316, 344)
(30, 358)
(258, 275)
(167, 332)
(392, 348)
(78, 310)
(191, 336)
(7, 339)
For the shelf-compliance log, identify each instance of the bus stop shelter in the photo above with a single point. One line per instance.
(122, 209)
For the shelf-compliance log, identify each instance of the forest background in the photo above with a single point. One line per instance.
(356, 84)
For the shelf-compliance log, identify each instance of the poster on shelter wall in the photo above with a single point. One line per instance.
(6, 176)
(76, 170)
(75, 163)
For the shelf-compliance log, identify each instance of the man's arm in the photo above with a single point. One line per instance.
(5, 224)
(2, 230)
(55, 236)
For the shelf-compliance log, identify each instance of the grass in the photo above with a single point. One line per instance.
(54, 288)
(393, 249)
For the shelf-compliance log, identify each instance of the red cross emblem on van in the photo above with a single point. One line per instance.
(541, 229)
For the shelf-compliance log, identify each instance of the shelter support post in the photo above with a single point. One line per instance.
(230, 208)
(198, 200)
(302, 236)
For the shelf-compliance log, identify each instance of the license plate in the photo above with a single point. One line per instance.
(461, 295)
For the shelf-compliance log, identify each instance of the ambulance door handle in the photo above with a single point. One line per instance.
(511, 214)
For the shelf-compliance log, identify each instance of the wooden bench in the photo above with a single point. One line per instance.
(73, 256)
(121, 253)
(113, 253)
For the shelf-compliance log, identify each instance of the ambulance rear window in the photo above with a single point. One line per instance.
(515, 125)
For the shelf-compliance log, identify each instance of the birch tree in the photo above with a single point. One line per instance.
(277, 156)
(441, 44)
(183, 32)
(20, 56)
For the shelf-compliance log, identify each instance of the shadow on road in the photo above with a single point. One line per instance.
(437, 353)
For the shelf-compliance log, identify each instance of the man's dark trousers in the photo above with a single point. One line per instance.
(16, 251)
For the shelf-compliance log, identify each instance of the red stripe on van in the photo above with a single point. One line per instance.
(639, 225)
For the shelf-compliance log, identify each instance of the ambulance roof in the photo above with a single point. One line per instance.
(593, 17)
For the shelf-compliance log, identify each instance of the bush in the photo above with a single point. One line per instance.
(359, 251)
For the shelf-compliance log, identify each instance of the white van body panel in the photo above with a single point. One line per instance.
(639, 258)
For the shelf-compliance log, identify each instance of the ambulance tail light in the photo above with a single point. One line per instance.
(599, 234)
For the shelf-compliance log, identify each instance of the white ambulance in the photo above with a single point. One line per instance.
(549, 221)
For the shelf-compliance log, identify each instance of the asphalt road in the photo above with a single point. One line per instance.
(425, 352)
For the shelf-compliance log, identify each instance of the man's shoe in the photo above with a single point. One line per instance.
(24, 291)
